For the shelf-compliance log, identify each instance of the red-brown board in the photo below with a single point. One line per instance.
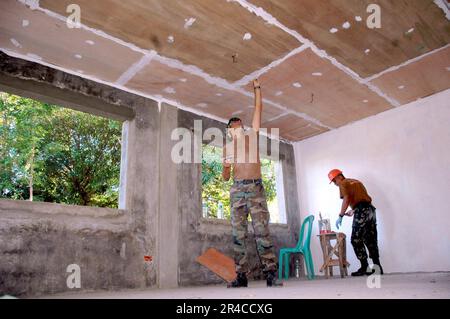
(220, 264)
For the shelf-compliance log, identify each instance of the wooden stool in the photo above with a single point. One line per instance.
(339, 249)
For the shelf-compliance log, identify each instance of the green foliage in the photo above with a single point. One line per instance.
(57, 155)
(215, 190)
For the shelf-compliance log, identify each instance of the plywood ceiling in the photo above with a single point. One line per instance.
(427, 76)
(320, 66)
(32, 33)
(310, 84)
(193, 91)
(409, 28)
(209, 42)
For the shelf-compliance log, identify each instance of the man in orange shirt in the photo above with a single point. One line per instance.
(364, 228)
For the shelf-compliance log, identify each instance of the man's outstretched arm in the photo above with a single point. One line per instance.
(256, 123)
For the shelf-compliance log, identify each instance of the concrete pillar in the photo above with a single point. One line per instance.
(142, 182)
(168, 202)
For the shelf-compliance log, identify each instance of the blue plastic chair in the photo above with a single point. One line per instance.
(301, 248)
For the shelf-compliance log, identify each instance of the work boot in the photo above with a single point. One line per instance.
(240, 281)
(376, 263)
(272, 281)
(363, 270)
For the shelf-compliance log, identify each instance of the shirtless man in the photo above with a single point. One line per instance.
(247, 196)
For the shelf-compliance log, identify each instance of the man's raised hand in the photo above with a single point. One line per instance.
(256, 84)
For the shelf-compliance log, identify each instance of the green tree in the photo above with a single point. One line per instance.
(22, 128)
(54, 154)
(81, 156)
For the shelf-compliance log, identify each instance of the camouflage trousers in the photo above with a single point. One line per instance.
(245, 199)
(364, 232)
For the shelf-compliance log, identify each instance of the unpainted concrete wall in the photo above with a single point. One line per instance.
(38, 241)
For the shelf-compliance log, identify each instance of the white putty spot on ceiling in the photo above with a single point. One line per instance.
(316, 74)
(278, 93)
(25, 23)
(202, 105)
(80, 71)
(219, 94)
(33, 4)
(34, 56)
(247, 36)
(296, 85)
(237, 112)
(333, 30)
(367, 51)
(78, 56)
(401, 87)
(346, 25)
(90, 42)
(169, 90)
(410, 31)
(365, 101)
(15, 43)
(189, 22)
(183, 80)
(448, 68)
(358, 18)
(170, 39)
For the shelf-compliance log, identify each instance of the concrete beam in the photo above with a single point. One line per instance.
(32, 80)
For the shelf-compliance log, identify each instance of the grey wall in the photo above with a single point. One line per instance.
(35, 244)
(39, 240)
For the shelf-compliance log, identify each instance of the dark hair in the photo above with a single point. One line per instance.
(233, 119)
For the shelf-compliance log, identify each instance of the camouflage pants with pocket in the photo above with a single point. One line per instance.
(364, 233)
(245, 199)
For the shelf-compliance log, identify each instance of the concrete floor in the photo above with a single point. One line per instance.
(414, 285)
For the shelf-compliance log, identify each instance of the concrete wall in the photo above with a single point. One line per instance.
(402, 156)
(38, 241)
(38, 244)
(197, 234)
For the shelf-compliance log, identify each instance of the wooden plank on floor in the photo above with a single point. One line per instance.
(220, 264)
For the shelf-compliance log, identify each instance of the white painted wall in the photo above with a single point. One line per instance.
(403, 158)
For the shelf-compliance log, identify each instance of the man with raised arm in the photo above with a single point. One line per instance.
(247, 196)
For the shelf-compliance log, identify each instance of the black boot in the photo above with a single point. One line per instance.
(377, 264)
(271, 278)
(240, 281)
(363, 270)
